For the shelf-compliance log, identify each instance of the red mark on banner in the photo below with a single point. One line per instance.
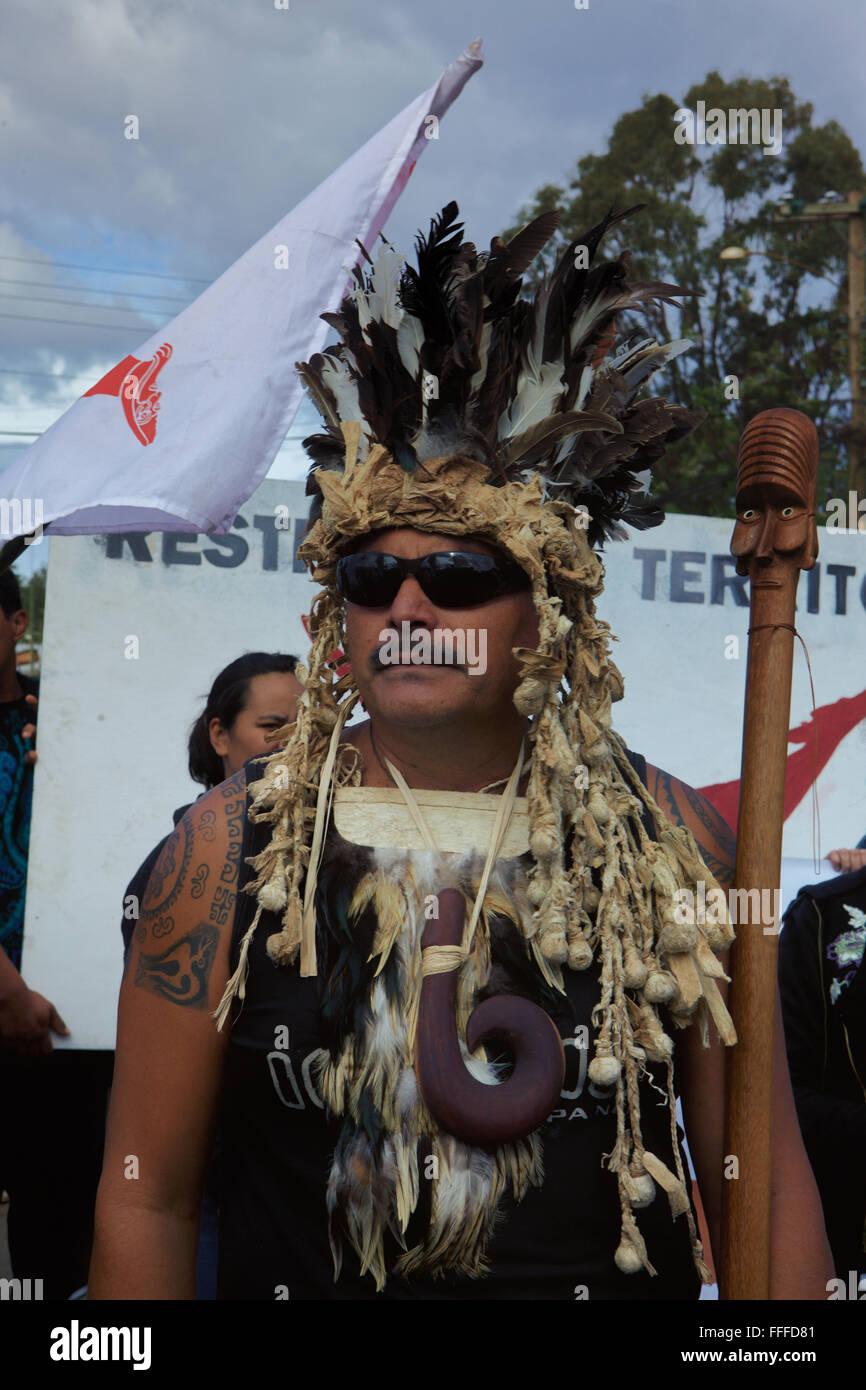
(832, 723)
(134, 383)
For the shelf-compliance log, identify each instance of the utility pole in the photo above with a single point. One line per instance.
(853, 209)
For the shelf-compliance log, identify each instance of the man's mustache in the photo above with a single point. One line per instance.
(376, 663)
(460, 649)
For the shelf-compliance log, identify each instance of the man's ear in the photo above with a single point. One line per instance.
(19, 622)
(219, 739)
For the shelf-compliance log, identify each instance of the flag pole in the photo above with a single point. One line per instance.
(774, 538)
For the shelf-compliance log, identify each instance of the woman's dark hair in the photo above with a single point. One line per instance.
(228, 696)
(10, 593)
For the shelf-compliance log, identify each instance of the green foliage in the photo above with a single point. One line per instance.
(33, 599)
(775, 325)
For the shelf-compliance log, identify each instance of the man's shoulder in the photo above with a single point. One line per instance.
(685, 805)
(204, 844)
(188, 905)
(222, 803)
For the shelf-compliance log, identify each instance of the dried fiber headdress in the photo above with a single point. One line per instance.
(453, 405)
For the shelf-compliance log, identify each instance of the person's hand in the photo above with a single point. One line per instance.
(29, 730)
(26, 1023)
(844, 860)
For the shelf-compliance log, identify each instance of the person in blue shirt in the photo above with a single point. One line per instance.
(26, 1018)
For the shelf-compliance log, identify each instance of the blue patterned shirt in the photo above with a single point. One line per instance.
(16, 797)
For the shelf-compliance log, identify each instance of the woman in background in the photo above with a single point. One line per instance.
(250, 699)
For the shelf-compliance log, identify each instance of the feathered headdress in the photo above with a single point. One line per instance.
(454, 406)
(448, 359)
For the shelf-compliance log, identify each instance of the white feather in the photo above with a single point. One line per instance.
(483, 350)
(654, 359)
(410, 340)
(536, 398)
(587, 377)
(387, 1037)
(539, 388)
(337, 377)
(385, 282)
(584, 321)
(365, 312)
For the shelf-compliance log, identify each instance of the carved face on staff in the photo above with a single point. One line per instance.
(775, 517)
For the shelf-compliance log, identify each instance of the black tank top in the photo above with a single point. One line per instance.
(276, 1147)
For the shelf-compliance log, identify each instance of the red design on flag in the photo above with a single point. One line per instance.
(134, 383)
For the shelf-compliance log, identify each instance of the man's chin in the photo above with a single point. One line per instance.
(419, 696)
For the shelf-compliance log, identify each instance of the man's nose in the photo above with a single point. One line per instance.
(411, 604)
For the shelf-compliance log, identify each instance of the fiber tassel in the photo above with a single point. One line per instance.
(237, 983)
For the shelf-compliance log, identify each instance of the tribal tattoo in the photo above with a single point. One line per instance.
(199, 881)
(223, 902)
(181, 973)
(235, 823)
(684, 806)
(169, 873)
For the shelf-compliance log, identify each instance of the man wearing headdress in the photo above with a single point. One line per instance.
(454, 999)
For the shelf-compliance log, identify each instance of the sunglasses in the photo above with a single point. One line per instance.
(449, 578)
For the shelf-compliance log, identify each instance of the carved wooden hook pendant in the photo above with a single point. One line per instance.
(469, 1109)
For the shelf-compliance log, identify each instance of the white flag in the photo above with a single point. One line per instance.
(180, 433)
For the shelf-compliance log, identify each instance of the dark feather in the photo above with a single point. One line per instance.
(482, 343)
(525, 245)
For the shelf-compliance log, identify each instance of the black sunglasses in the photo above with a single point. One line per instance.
(449, 578)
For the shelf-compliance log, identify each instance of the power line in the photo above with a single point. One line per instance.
(105, 269)
(91, 289)
(52, 376)
(75, 323)
(76, 304)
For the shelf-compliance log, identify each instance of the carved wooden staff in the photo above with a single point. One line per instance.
(463, 1106)
(774, 538)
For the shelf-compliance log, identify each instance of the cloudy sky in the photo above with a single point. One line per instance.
(243, 108)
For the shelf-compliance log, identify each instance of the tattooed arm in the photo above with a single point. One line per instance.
(169, 1060)
(800, 1262)
(684, 806)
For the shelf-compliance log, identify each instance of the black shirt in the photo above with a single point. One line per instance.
(277, 1144)
(822, 987)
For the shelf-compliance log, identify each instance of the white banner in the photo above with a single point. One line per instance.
(674, 600)
(113, 728)
(136, 629)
